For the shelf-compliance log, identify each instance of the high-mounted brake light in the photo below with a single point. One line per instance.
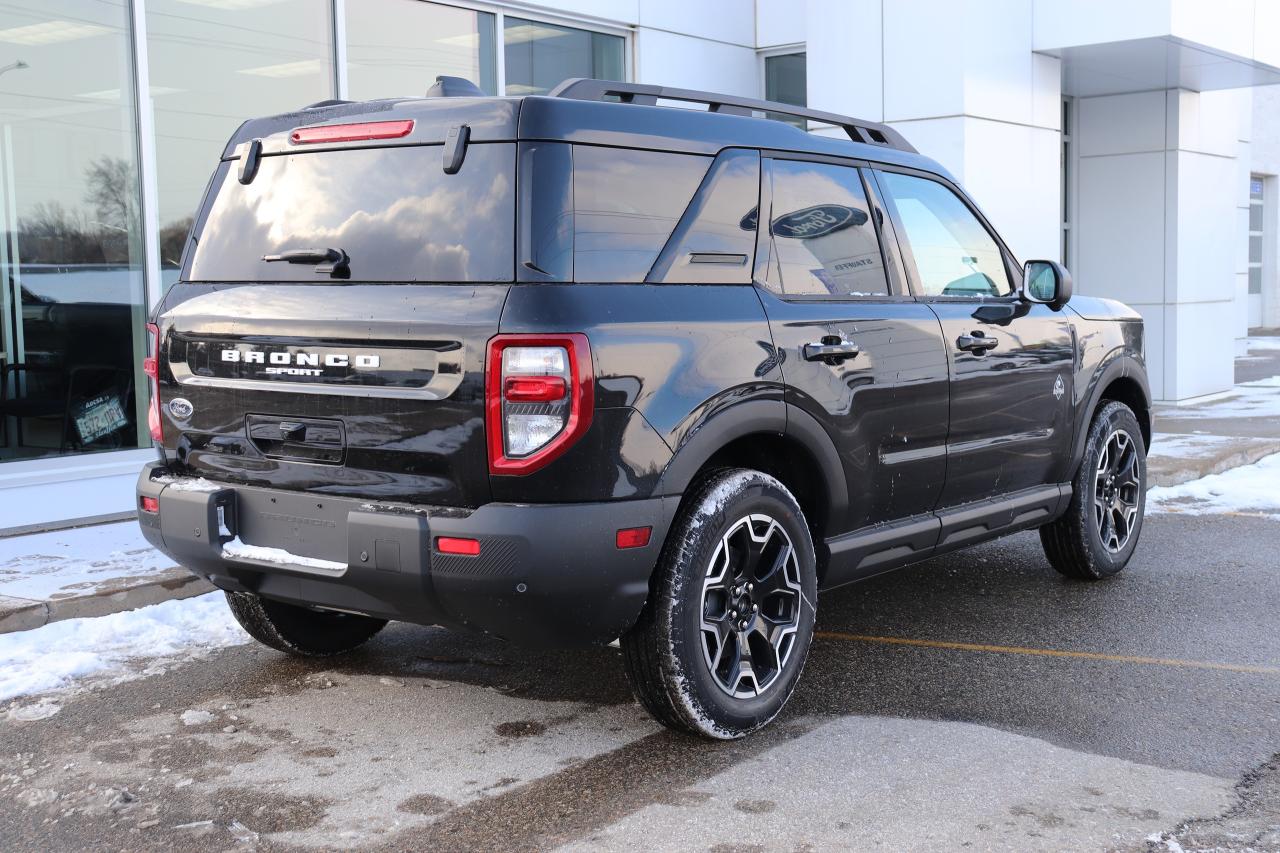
(151, 367)
(539, 398)
(351, 132)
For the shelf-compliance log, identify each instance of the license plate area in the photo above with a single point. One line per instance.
(311, 440)
(306, 524)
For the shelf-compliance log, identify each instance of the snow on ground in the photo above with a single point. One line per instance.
(1251, 489)
(69, 562)
(111, 649)
(1262, 343)
(1186, 446)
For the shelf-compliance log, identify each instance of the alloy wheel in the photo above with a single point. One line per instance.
(750, 606)
(1117, 490)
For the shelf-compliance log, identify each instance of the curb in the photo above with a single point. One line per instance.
(1176, 470)
(113, 596)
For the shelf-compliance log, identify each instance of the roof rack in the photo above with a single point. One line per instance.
(586, 89)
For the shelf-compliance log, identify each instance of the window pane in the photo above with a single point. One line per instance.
(538, 56)
(955, 255)
(1255, 217)
(213, 65)
(72, 305)
(716, 240)
(1255, 187)
(393, 210)
(823, 236)
(625, 205)
(1255, 248)
(784, 79)
(399, 47)
(1255, 279)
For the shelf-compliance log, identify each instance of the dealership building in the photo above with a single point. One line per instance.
(1137, 141)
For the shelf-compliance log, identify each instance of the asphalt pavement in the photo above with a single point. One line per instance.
(975, 700)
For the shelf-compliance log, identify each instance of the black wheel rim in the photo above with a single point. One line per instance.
(1117, 491)
(750, 607)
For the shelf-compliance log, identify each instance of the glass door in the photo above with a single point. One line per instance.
(71, 277)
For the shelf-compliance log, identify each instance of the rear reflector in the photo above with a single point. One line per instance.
(151, 505)
(633, 537)
(352, 132)
(454, 545)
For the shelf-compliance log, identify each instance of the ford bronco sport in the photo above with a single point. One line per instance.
(586, 367)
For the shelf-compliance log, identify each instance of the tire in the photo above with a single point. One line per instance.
(301, 631)
(680, 653)
(1080, 544)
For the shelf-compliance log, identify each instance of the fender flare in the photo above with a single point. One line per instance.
(1118, 365)
(760, 417)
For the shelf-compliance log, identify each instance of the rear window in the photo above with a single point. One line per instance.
(393, 211)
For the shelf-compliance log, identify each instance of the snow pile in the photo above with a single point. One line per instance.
(1251, 489)
(1249, 400)
(55, 655)
(237, 550)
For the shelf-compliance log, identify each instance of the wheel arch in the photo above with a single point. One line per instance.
(780, 440)
(1123, 379)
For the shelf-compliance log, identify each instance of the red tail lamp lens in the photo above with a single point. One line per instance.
(533, 389)
(634, 537)
(151, 367)
(151, 505)
(352, 132)
(456, 545)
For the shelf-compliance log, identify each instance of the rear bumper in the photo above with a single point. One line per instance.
(547, 574)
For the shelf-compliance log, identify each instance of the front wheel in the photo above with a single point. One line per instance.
(721, 642)
(1096, 536)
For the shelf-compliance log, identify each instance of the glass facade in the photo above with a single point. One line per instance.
(83, 170)
(72, 293)
(540, 55)
(399, 47)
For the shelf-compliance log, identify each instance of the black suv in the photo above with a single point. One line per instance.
(586, 367)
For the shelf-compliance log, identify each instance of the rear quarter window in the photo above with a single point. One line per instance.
(626, 204)
(393, 210)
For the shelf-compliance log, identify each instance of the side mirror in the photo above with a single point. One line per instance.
(1046, 282)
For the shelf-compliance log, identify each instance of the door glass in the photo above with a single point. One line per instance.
(213, 65)
(538, 56)
(398, 47)
(72, 306)
(823, 238)
(955, 254)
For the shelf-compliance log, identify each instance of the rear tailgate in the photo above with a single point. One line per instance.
(366, 391)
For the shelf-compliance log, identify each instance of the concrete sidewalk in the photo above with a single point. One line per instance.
(85, 571)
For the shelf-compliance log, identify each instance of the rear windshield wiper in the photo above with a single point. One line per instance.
(334, 262)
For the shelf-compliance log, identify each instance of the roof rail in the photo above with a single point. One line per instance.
(586, 89)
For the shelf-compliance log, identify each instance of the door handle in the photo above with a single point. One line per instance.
(831, 349)
(977, 342)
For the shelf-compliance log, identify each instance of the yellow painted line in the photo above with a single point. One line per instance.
(1048, 653)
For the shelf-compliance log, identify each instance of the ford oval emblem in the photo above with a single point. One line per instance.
(816, 221)
(181, 408)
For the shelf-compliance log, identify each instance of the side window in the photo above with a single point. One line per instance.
(626, 204)
(715, 242)
(824, 241)
(955, 254)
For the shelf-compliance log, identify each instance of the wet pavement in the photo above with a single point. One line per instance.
(1026, 712)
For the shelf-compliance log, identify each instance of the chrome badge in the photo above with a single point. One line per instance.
(1059, 388)
(181, 408)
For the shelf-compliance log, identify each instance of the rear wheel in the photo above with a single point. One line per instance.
(301, 631)
(1099, 532)
(721, 643)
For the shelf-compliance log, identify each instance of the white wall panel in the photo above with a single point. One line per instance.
(1120, 224)
(781, 22)
(1121, 124)
(692, 63)
(924, 60)
(1064, 23)
(844, 61)
(721, 20)
(1206, 217)
(615, 11)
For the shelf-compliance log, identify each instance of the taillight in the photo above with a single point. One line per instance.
(539, 397)
(151, 367)
(352, 132)
(151, 505)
